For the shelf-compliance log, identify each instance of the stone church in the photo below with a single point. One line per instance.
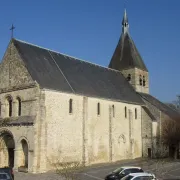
(57, 108)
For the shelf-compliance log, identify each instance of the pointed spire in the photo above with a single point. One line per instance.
(125, 24)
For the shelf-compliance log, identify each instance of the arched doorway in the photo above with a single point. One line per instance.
(24, 153)
(7, 146)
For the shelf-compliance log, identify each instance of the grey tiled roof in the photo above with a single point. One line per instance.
(126, 55)
(53, 70)
(153, 103)
(147, 110)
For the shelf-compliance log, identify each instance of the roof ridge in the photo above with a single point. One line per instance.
(67, 55)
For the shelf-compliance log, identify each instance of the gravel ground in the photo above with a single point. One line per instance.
(166, 169)
(44, 176)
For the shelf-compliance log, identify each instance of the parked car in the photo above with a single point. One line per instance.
(7, 170)
(139, 176)
(5, 176)
(121, 172)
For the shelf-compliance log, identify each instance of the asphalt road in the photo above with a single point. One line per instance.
(163, 169)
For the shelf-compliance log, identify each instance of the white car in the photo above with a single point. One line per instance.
(121, 172)
(139, 176)
(5, 176)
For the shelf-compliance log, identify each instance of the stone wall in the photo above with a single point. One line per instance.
(89, 137)
(146, 134)
(143, 89)
(13, 73)
(16, 82)
(28, 99)
(29, 110)
(135, 74)
(64, 129)
(19, 133)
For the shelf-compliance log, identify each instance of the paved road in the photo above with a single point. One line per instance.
(162, 169)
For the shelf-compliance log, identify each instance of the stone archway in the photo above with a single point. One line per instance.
(23, 156)
(7, 146)
(25, 153)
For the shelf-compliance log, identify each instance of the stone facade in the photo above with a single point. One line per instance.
(146, 134)
(99, 138)
(136, 74)
(55, 133)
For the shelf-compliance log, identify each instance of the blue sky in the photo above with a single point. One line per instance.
(90, 29)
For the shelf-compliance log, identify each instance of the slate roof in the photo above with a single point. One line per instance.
(126, 55)
(147, 110)
(53, 70)
(160, 106)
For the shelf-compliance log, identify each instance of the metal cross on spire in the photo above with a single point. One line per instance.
(12, 31)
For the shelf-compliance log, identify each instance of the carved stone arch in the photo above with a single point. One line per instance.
(5, 130)
(18, 105)
(8, 95)
(8, 99)
(20, 139)
(140, 80)
(18, 96)
(7, 146)
(122, 138)
(23, 149)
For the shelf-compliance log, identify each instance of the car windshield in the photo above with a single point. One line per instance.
(118, 170)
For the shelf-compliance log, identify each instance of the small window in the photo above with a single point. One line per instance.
(144, 81)
(0, 109)
(135, 113)
(140, 80)
(129, 77)
(125, 112)
(113, 111)
(70, 106)
(98, 108)
(19, 106)
(9, 101)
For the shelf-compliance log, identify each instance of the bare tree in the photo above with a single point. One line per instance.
(170, 136)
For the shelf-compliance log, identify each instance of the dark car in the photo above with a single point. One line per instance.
(7, 170)
(122, 172)
(5, 176)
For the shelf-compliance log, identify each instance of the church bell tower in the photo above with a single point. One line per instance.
(128, 60)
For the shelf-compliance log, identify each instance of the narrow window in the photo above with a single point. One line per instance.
(9, 99)
(125, 112)
(19, 106)
(129, 77)
(135, 113)
(140, 80)
(144, 81)
(70, 106)
(113, 111)
(98, 108)
(0, 109)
